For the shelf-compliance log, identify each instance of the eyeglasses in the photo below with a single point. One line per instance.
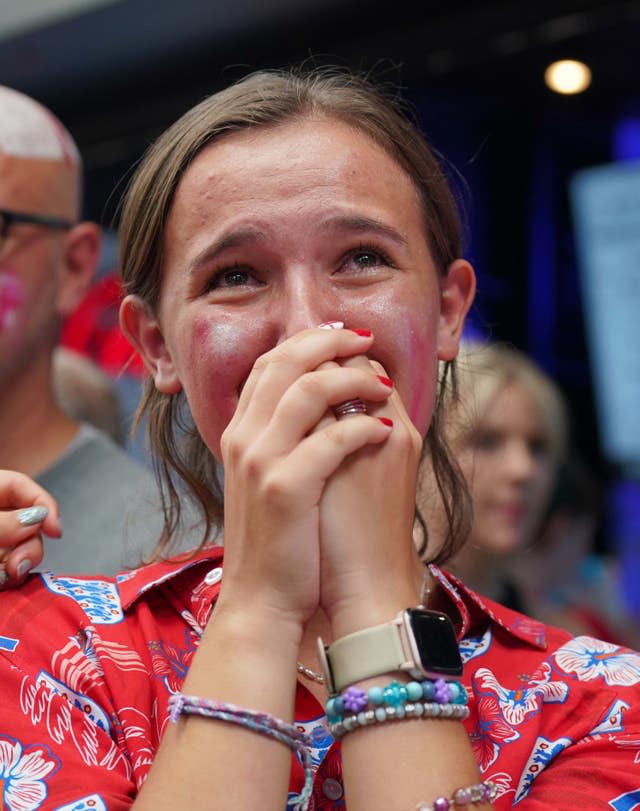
(8, 218)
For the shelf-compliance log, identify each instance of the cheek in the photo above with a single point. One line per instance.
(544, 484)
(212, 368)
(12, 297)
(11, 300)
(405, 329)
(415, 342)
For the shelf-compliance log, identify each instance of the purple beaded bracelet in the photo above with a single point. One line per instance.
(395, 694)
(470, 795)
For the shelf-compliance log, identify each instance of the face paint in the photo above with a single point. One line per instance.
(10, 300)
(29, 130)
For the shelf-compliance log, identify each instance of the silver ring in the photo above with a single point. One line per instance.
(349, 407)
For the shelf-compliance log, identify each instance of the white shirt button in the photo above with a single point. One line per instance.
(213, 577)
(332, 789)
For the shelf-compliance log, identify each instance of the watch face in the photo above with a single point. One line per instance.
(436, 642)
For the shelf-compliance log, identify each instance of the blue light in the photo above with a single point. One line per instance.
(626, 139)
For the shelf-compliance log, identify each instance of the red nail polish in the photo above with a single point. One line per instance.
(386, 380)
(364, 333)
(386, 421)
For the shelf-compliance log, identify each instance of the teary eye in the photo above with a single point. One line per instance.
(229, 277)
(365, 257)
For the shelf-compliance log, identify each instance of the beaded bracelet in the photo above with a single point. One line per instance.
(471, 795)
(458, 712)
(395, 694)
(260, 722)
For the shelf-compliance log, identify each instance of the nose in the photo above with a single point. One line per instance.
(302, 304)
(520, 461)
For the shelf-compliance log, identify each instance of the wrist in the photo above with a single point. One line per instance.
(358, 613)
(363, 600)
(419, 642)
(255, 629)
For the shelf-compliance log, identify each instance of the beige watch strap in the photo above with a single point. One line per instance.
(370, 652)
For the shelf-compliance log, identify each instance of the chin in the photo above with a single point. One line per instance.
(502, 542)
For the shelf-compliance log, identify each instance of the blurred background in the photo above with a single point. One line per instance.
(550, 181)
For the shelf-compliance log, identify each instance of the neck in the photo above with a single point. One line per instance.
(480, 570)
(34, 431)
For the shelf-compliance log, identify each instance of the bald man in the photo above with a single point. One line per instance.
(47, 259)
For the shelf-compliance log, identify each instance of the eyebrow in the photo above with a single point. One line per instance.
(233, 239)
(360, 224)
(340, 222)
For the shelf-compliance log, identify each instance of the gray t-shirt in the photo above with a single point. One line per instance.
(108, 507)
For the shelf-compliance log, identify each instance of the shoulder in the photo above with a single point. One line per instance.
(109, 507)
(93, 452)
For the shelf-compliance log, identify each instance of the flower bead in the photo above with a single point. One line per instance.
(442, 694)
(395, 694)
(354, 699)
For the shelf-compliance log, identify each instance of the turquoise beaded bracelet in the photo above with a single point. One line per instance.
(395, 694)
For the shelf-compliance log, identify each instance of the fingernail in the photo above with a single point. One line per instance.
(386, 380)
(4, 577)
(364, 333)
(331, 325)
(32, 515)
(386, 421)
(24, 567)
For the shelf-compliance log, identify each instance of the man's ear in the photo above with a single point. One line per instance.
(80, 255)
(142, 329)
(457, 290)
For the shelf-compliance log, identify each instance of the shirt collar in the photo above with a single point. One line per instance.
(477, 612)
(188, 571)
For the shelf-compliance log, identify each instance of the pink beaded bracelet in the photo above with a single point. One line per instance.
(470, 795)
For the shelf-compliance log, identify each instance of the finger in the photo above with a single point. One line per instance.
(328, 417)
(16, 526)
(276, 370)
(20, 491)
(394, 401)
(320, 454)
(23, 559)
(308, 399)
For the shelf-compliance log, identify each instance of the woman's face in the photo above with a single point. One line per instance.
(510, 469)
(275, 230)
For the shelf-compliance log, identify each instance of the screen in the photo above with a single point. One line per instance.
(606, 210)
(436, 641)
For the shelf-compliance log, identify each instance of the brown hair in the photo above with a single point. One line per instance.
(269, 99)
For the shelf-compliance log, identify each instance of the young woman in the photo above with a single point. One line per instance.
(291, 254)
(508, 432)
(526, 549)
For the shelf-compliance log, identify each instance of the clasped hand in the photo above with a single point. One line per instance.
(318, 510)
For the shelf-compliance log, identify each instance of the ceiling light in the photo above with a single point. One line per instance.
(567, 76)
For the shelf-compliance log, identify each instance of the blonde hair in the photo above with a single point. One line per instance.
(483, 370)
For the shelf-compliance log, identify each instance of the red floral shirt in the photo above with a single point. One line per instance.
(87, 665)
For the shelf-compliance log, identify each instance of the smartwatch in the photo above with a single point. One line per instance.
(418, 641)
